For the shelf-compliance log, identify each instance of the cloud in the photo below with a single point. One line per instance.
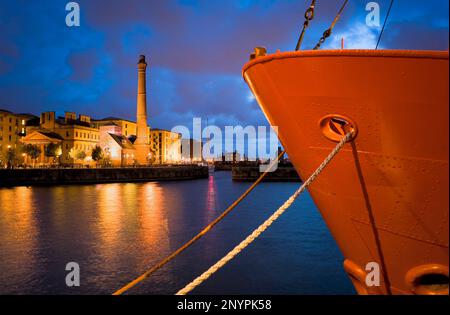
(410, 35)
(83, 65)
(358, 36)
(195, 49)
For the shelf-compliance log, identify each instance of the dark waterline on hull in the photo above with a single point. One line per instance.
(115, 231)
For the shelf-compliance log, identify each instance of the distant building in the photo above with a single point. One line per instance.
(191, 150)
(233, 157)
(165, 146)
(13, 127)
(118, 149)
(78, 137)
(128, 127)
(41, 139)
(123, 142)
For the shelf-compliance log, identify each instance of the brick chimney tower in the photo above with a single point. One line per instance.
(142, 141)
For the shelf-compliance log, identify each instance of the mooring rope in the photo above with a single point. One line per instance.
(233, 253)
(309, 16)
(166, 260)
(384, 24)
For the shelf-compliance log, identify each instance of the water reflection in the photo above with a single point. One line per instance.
(116, 231)
(211, 199)
(154, 228)
(110, 207)
(18, 236)
(132, 226)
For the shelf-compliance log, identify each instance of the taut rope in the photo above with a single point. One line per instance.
(309, 16)
(384, 24)
(328, 32)
(233, 253)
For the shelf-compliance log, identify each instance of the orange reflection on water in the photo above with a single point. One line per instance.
(18, 231)
(154, 229)
(110, 212)
(131, 219)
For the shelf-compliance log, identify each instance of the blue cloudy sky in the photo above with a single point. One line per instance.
(195, 50)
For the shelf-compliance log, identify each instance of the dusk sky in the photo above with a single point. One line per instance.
(195, 51)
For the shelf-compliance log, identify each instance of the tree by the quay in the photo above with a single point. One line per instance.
(34, 152)
(53, 150)
(81, 155)
(77, 155)
(97, 154)
(11, 157)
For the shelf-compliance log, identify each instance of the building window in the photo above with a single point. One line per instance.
(67, 134)
(23, 122)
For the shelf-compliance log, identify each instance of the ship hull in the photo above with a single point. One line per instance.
(385, 195)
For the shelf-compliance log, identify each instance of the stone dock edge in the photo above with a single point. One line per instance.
(251, 173)
(69, 176)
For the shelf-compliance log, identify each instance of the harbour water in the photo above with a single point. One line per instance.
(115, 231)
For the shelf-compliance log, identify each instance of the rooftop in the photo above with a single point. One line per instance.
(114, 118)
(52, 135)
(72, 122)
(122, 141)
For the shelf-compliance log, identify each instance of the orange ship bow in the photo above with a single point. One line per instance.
(385, 196)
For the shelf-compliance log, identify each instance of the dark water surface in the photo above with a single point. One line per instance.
(115, 231)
